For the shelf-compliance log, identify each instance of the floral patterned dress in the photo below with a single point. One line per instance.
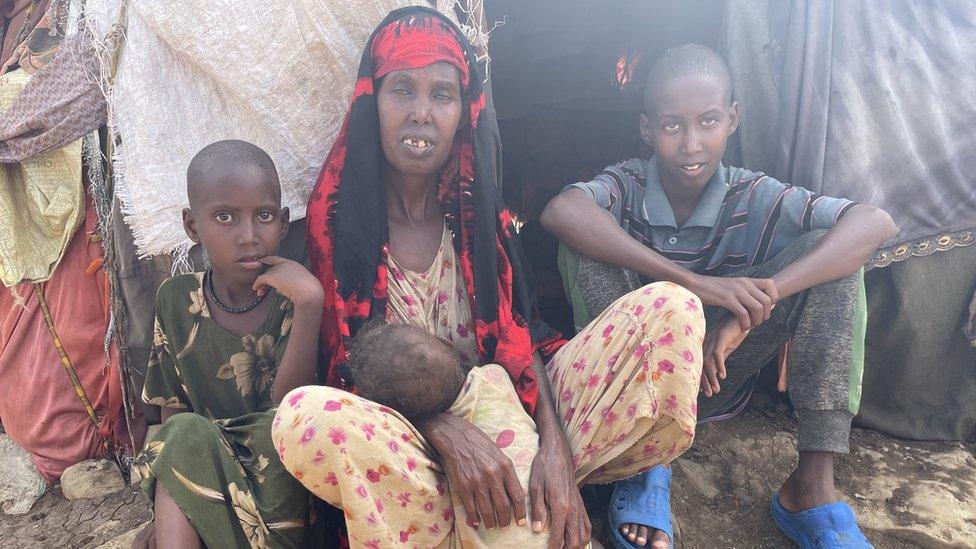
(625, 387)
(218, 462)
(435, 300)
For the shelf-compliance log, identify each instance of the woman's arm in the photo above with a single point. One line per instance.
(481, 475)
(552, 483)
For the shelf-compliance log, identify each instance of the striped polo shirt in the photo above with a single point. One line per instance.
(743, 218)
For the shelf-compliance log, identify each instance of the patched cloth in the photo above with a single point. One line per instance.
(59, 105)
(41, 203)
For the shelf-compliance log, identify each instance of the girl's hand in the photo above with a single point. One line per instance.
(291, 280)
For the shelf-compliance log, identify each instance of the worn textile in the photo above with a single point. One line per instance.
(625, 389)
(821, 324)
(217, 461)
(920, 370)
(38, 40)
(49, 420)
(969, 329)
(226, 477)
(59, 105)
(20, 19)
(277, 74)
(348, 233)
(877, 102)
(42, 202)
(743, 218)
(871, 101)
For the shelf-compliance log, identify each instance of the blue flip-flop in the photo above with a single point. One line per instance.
(829, 526)
(643, 499)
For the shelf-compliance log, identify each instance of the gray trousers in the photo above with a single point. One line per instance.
(818, 322)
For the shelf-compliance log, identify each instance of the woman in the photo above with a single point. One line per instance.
(408, 187)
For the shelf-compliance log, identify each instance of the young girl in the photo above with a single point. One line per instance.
(228, 344)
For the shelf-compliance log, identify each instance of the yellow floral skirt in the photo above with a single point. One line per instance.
(625, 388)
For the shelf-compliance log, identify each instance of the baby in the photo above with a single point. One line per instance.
(405, 368)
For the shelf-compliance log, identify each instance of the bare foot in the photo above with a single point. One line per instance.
(642, 536)
(811, 484)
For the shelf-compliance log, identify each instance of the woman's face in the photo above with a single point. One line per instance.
(419, 112)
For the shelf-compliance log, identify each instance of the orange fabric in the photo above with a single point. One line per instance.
(38, 405)
(784, 351)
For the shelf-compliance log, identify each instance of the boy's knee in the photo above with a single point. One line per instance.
(807, 241)
(600, 284)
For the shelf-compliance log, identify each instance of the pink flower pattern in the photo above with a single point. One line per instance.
(378, 467)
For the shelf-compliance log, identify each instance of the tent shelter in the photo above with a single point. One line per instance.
(841, 97)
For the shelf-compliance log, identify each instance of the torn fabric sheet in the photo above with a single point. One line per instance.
(192, 72)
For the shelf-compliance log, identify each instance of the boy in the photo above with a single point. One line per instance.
(228, 344)
(775, 263)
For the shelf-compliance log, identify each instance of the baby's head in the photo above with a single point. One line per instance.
(688, 114)
(235, 207)
(405, 368)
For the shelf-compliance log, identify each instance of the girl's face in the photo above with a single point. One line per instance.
(238, 220)
(419, 112)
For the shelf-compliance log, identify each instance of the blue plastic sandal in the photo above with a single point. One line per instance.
(830, 526)
(644, 499)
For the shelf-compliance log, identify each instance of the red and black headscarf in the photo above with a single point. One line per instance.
(348, 231)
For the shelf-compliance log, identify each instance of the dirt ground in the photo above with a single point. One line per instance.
(906, 494)
(900, 490)
(54, 522)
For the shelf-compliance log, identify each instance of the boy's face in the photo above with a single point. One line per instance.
(237, 218)
(687, 126)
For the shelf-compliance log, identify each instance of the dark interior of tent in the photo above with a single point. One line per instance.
(567, 80)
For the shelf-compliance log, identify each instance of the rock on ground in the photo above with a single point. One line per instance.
(91, 478)
(20, 483)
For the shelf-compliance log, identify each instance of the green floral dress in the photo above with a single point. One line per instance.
(218, 463)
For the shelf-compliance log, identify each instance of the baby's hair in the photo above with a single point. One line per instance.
(217, 158)
(402, 366)
(685, 60)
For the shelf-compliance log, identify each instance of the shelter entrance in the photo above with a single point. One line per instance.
(567, 81)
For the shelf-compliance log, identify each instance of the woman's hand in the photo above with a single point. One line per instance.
(479, 473)
(552, 487)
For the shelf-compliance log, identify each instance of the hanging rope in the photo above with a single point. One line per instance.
(66, 362)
